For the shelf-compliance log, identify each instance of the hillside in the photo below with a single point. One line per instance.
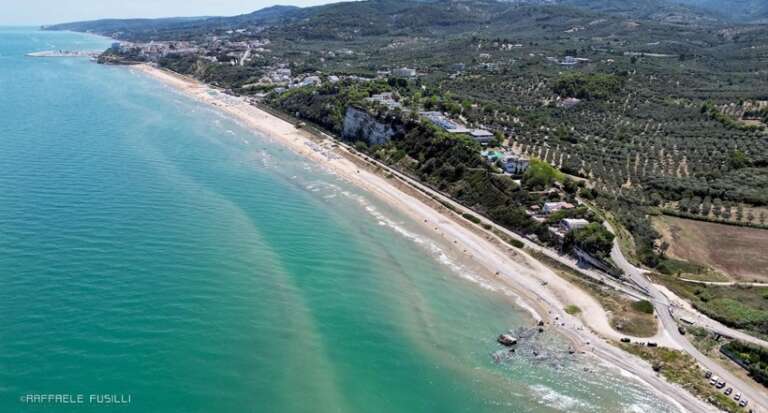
(378, 17)
(743, 10)
(660, 106)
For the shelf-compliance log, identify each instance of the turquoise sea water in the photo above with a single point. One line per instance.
(152, 248)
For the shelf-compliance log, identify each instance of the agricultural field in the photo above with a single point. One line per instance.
(741, 253)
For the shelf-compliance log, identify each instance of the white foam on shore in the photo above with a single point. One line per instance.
(638, 408)
(559, 401)
(432, 247)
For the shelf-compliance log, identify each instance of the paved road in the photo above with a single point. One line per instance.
(661, 302)
(681, 309)
(606, 352)
(701, 320)
(753, 392)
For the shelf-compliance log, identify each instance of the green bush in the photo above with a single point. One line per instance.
(572, 309)
(472, 218)
(643, 306)
(753, 358)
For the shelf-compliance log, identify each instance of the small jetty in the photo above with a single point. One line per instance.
(65, 53)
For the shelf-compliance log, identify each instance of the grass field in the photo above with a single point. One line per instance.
(739, 252)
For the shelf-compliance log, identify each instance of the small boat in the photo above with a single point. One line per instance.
(506, 340)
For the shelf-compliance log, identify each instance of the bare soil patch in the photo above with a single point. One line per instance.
(740, 252)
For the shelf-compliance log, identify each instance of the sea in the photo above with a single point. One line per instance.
(157, 256)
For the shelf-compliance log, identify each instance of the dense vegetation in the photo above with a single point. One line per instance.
(593, 238)
(753, 358)
(588, 86)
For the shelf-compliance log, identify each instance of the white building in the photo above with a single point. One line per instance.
(569, 225)
(404, 72)
(515, 164)
(482, 136)
(552, 207)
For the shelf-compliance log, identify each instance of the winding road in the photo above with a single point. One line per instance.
(753, 392)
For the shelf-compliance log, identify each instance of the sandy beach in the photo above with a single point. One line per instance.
(537, 288)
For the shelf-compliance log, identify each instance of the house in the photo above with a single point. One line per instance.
(310, 81)
(516, 164)
(552, 207)
(569, 103)
(404, 72)
(458, 67)
(567, 225)
(386, 99)
(482, 136)
(439, 119)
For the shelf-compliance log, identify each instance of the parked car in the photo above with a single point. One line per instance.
(720, 384)
(728, 391)
(743, 403)
(707, 374)
(737, 396)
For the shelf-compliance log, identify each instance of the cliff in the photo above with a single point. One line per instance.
(359, 125)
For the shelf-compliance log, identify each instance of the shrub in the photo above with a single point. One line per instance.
(643, 306)
(572, 309)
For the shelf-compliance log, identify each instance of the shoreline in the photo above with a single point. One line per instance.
(537, 289)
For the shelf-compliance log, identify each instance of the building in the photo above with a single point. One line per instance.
(516, 164)
(482, 136)
(552, 207)
(386, 99)
(439, 119)
(309, 81)
(569, 103)
(404, 72)
(567, 225)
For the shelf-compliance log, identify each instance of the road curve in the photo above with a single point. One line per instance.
(753, 392)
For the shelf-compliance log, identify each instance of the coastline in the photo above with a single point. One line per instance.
(538, 289)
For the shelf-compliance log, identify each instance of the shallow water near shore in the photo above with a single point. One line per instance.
(152, 247)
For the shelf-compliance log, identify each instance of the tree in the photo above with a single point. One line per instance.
(540, 175)
(594, 239)
(738, 160)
